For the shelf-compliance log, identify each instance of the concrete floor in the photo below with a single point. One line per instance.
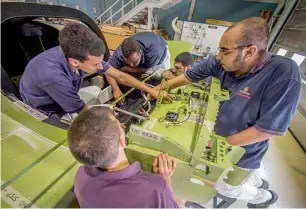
(284, 166)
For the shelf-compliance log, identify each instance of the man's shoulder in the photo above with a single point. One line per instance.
(156, 181)
(81, 172)
(284, 61)
(52, 52)
(86, 177)
(134, 186)
(284, 68)
(150, 39)
(116, 59)
(144, 35)
(47, 66)
(117, 53)
(41, 62)
(211, 63)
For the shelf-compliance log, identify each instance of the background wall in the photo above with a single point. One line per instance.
(228, 10)
(87, 6)
(233, 10)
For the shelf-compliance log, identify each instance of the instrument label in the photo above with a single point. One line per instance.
(14, 198)
(36, 114)
(145, 133)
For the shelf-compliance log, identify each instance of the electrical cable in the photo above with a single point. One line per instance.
(146, 102)
(183, 121)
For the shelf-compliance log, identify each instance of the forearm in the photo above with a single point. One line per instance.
(133, 82)
(101, 80)
(128, 80)
(168, 75)
(112, 81)
(133, 70)
(173, 83)
(136, 70)
(248, 136)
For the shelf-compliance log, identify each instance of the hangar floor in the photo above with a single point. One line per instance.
(284, 166)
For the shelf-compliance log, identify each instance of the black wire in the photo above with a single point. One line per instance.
(180, 122)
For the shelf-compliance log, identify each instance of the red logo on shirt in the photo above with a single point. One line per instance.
(245, 93)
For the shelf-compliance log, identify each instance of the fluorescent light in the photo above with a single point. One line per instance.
(298, 58)
(281, 52)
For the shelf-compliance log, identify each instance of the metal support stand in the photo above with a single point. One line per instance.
(193, 205)
(225, 201)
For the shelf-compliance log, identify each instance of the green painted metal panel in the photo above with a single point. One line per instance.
(12, 110)
(181, 180)
(45, 183)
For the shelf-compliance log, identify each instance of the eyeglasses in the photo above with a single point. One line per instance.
(226, 51)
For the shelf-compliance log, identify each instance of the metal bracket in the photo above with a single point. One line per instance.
(161, 93)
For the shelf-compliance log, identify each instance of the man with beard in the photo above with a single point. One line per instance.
(264, 93)
(140, 55)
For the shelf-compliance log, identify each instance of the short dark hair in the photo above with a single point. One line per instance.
(129, 46)
(255, 31)
(93, 137)
(185, 58)
(78, 41)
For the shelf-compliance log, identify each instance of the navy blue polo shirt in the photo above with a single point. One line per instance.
(49, 85)
(266, 98)
(153, 47)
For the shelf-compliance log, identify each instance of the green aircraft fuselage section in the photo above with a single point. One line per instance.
(182, 129)
(24, 139)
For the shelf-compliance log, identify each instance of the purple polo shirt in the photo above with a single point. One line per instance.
(127, 188)
(49, 85)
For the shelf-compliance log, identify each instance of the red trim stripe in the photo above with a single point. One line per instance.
(243, 95)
